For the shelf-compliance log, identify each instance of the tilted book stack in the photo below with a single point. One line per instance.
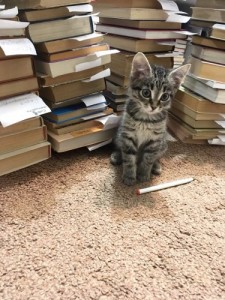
(132, 26)
(71, 65)
(23, 136)
(198, 112)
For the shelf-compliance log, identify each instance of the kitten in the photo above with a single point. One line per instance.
(141, 136)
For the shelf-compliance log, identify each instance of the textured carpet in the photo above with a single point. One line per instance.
(69, 229)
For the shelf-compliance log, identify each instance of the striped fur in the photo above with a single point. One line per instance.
(141, 136)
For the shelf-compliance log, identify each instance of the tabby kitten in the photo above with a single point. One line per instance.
(141, 136)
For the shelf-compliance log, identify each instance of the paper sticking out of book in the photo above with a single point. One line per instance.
(221, 123)
(175, 18)
(102, 74)
(16, 109)
(22, 46)
(99, 145)
(83, 8)
(8, 24)
(169, 5)
(9, 13)
(86, 36)
(96, 99)
(2, 7)
(220, 140)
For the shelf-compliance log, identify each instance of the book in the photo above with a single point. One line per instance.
(24, 68)
(198, 103)
(121, 62)
(25, 157)
(208, 54)
(22, 139)
(21, 126)
(134, 13)
(198, 116)
(207, 70)
(82, 75)
(115, 88)
(126, 3)
(140, 24)
(69, 43)
(119, 80)
(80, 138)
(40, 4)
(135, 44)
(62, 67)
(187, 133)
(53, 13)
(77, 52)
(62, 92)
(197, 124)
(217, 32)
(75, 124)
(141, 33)
(64, 114)
(19, 86)
(58, 29)
(211, 3)
(10, 28)
(203, 88)
(208, 14)
(208, 42)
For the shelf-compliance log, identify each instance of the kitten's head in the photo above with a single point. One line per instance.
(153, 86)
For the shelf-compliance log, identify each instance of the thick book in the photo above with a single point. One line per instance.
(140, 24)
(198, 124)
(58, 29)
(76, 124)
(207, 70)
(122, 61)
(198, 116)
(134, 13)
(142, 33)
(76, 111)
(16, 68)
(82, 75)
(22, 139)
(217, 32)
(69, 43)
(204, 89)
(77, 52)
(198, 103)
(135, 44)
(21, 126)
(50, 13)
(126, 4)
(62, 92)
(24, 157)
(209, 14)
(18, 87)
(80, 138)
(123, 81)
(40, 4)
(62, 67)
(208, 54)
(211, 3)
(208, 42)
(186, 133)
(115, 89)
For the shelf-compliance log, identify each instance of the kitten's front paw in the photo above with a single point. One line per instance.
(143, 178)
(129, 180)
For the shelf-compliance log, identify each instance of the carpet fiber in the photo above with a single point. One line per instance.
(69, 229)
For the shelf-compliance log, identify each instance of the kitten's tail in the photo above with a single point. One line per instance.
(116, 158)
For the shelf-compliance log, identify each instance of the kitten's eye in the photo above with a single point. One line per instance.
(165, 97)
(145, 93)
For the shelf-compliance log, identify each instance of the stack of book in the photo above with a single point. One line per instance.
(23, 136)
(132, 26)
(198, 112)
(71, 65)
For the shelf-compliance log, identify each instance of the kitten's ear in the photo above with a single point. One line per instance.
(140, 67)
(177, 76)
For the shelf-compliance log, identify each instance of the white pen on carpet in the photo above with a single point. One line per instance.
(164, 185)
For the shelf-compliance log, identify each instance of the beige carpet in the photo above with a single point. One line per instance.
(69, 229)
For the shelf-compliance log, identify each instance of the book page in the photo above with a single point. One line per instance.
(16, 109)
(93, 100)
(9, 13)
(8, 24)
(17, 47)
